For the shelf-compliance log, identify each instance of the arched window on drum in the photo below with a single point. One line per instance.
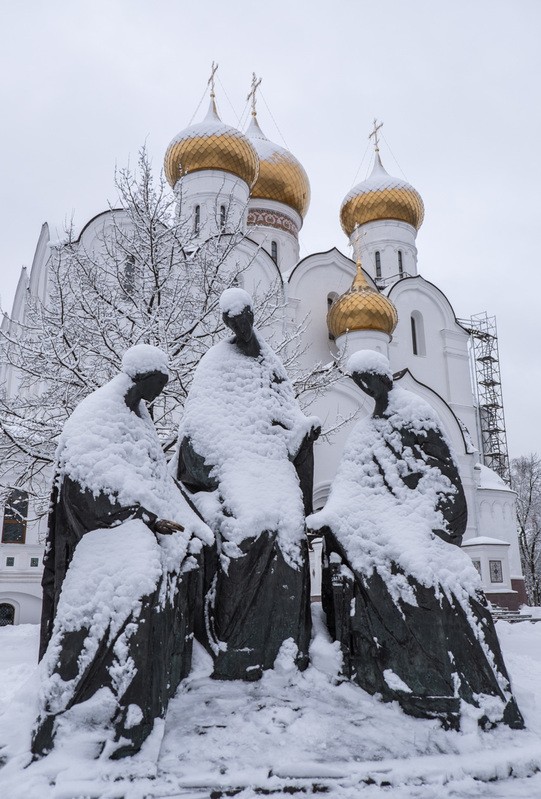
(400, 264)
(378, 265)
(418, 343)
(331, 297)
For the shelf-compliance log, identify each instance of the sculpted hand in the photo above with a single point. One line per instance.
(166, 527)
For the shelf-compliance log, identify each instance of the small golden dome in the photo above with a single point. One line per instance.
(281, 176)
(381, 197)
(361, 308)
(211, 145)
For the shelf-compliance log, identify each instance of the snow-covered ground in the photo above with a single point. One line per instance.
(305, 733)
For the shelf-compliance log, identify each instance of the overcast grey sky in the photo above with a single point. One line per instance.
(84, 84)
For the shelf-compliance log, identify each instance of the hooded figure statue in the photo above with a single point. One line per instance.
(246, 453)
(400, 595)
(120, 568)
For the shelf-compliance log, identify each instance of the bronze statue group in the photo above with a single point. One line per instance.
(143, 555)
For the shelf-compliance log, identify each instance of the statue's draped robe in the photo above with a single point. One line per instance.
(112, 483)
(246, 452)
(400, 595)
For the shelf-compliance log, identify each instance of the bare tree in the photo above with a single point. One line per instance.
(526, 481)
(146, 279)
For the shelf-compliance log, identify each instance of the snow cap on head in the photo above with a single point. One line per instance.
(234, 301)
(143, 358)
(369, 361)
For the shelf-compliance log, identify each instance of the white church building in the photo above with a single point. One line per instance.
(376, 300)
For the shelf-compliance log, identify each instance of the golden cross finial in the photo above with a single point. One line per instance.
(359, 281)
(375, 134)
(252, 92)
(210, 81)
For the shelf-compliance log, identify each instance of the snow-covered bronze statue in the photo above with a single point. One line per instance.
(400, 595)
(245, 450)
(120, 569)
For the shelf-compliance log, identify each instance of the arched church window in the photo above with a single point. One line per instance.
(15, 515)
(129, 274)
(196, 219)
(378, 264)
(417, 334)
(274, 251)
(400, 264)
(222, 216)
(331, 297)
(7, 614)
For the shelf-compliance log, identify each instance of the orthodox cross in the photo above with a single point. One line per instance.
(252, 92)
(210, 82)
(375, 134)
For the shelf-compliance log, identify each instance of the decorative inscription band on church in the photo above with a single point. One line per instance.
(261, 216)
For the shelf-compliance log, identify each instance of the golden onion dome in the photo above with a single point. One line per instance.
(281, 177)
(211, 145)
(381, 196)
(361, 308)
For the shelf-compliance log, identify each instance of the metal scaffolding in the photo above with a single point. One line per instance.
(484, 339)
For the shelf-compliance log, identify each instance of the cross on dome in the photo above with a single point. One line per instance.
(211, 80)
(252, 93)
(374, 134)
(381, 196)
(211, 145)
(359, 281)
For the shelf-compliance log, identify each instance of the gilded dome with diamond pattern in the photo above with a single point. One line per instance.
(361, 308)
(381, 196)
(211, 145)
(281, 177)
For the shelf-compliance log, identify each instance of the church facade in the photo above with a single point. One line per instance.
(377, 300)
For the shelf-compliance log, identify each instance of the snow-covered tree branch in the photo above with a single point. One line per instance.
(145, 278)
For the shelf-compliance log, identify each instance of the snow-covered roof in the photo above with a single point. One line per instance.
(484, 539)
(489, 479)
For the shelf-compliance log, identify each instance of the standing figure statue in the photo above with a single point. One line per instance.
(400, 595)
(120, 569)
(245, 451)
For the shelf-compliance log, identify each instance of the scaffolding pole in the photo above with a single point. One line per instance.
(486, 359)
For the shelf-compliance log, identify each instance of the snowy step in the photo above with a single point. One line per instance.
(508, 615)
(511, 764)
